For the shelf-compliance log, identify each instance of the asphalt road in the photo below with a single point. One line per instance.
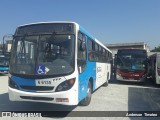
(117, 97)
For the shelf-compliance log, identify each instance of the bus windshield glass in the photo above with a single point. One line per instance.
(45, 28)
(43, 54)
(2, 59)
(131, 62)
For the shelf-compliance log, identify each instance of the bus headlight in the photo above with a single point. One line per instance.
(12, 84)
(66, 85)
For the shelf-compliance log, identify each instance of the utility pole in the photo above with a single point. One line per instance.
(3, 45)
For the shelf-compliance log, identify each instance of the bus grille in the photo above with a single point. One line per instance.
(37, 98)
(38, 88)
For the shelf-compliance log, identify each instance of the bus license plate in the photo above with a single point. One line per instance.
(44, 82)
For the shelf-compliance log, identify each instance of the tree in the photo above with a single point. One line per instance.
(156, 49)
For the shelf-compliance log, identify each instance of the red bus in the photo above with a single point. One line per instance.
(131, 65)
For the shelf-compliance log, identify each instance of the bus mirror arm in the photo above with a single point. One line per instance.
(148, 60)
(83, 46)
(80, 69)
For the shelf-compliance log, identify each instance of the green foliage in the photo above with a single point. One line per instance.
(156, 49)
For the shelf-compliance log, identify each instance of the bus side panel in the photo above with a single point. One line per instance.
(157, 77)
(88, 74)
(22, 81)
(102, 73)
(99, 74)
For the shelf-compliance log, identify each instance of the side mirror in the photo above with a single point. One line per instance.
(8, 37)
(7, 43)
(83, 46)
(115, 58)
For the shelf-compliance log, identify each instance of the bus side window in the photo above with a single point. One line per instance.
(81, 52)
(90, 50)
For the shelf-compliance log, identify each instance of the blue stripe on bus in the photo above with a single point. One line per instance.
(84, 77)
(23, 81)
(86, 33)
(4, 68)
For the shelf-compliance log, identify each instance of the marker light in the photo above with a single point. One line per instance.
(71, 81)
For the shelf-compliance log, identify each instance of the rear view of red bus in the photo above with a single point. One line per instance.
(131, 65)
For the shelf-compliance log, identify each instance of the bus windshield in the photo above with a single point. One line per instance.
(2, 59)
(45, 54)
(131, 62)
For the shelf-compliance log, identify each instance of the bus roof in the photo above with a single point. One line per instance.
(131, 49)
(48, 22)
(77, 25)
(102, 45)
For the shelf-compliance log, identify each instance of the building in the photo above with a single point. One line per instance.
(138, 45)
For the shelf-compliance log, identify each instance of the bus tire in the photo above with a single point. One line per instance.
(86, 101)
(105, 84)
(142, 83)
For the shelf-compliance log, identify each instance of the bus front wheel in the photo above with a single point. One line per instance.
(86, 101)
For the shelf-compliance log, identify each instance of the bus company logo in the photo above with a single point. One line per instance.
(99, 69)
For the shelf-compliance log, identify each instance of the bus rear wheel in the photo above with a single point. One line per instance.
(105, 84)
(86, 101)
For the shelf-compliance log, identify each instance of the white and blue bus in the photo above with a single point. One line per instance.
(57, 62)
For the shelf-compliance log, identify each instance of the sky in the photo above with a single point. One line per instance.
(110, 21)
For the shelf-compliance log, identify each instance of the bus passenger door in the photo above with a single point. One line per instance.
(81, 64)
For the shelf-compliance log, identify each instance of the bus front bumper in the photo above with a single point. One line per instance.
(69, 97)
(120, 78)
